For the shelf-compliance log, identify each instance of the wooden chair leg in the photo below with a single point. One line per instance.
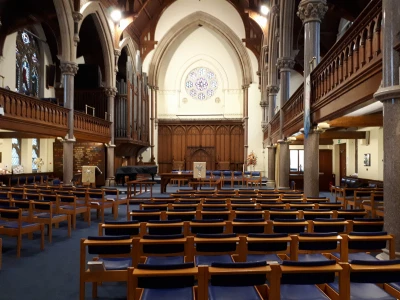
(81, 290)
(115, 210)
(94, 289)
(50, 231)
(88, 216)
(42, 237)
(74, 221)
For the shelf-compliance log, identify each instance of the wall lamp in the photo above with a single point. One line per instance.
(116, 15)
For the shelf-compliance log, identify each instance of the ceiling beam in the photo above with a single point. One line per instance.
(331, 134)
(358, 121)
(321, 142)
(22, 135)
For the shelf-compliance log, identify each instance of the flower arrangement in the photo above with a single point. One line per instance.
(18, 169)
(38, 163)
(252, 159)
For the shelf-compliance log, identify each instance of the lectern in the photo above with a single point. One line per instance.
(89, 175)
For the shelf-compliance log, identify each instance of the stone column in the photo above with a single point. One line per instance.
(284, 164)
(311, 12)
(152, 123)
(246, 120)
(311, 165)
(111, 92)
(272, 93)
(389, 94)
(68, 70)
(271, 167)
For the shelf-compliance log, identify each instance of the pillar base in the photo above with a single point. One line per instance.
(270, 184)
(284, 188)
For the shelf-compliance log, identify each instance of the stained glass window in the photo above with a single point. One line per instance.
(16, 152)
(27, 64)
(201, 83)
(35, 152)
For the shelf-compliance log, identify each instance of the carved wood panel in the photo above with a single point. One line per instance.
(179, 141)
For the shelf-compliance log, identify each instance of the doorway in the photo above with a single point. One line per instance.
(342, 160)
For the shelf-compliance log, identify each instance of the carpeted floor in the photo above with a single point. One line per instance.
(54, 272)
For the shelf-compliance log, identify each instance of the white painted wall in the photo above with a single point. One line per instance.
(201, 48)
(296, 79)
(220, 9)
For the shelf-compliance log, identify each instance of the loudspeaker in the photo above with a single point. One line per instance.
(50, 76)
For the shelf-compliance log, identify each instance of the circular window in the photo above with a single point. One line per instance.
(201, 83)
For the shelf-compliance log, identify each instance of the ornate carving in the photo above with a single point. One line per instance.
(110, 91)
(69, 68)
(275, 9)
(77, 16)
(272, 89)
(285, 64)
(312, 10)
(117, 52)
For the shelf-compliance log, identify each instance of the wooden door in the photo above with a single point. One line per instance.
(342, 160)
(200, 156)
(325, 169)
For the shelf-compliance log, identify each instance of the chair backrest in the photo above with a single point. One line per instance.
(289, 225)
(130, 228)
(210, 226)
(163, 244)
(329, 225)
(308, 272)
(267, 243)
(109, 245)
(10, 213)
(165, 227)
(216, 243)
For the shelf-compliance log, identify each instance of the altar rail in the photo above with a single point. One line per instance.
(347, 77)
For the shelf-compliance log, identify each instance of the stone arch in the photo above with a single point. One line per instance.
(190, 23)
(103, 26)
(65, 20)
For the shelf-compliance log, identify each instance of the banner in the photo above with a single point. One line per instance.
(307, 98)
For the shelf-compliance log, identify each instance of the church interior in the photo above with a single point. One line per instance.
(199, 149)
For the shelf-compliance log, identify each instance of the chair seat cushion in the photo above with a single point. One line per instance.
(47, 215)
(364, 291)
(168, 294)
(164, 260)
(232, 293)
(300, 291)
(208, 259)
(14, 224)
(312, 257)
(395, 285)
(357, 256)
(263, 257)
(116, 263)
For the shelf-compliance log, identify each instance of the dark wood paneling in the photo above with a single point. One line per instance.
(190, 141)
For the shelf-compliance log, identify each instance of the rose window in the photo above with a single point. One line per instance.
(201, 83)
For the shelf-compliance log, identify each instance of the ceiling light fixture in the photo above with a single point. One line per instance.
(264, 10)
(116, 15)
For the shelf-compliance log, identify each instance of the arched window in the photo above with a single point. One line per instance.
(16, 152)
(35, 153)
(27, 64)
(201, 83)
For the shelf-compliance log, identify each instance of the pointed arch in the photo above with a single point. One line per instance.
(189, 24)
(67, 51)
(103, 26)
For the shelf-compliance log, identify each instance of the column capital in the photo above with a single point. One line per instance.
(272, 89)
(285, 63)
(312, 10)
(245, 86)
(110, 91)
(69, 68)
(387, 93)
(285, 141)
(275, 9)
(77, 16)
(264, 103)
(117, 52)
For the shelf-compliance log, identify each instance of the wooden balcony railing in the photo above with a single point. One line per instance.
(91, 128)
(275, 123)
(24, 113)
(31, 115)
(348, 75)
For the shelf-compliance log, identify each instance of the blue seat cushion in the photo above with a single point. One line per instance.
(116, 263)
(14, 224)
(232, 293)
(47, 215)
(263, 257)
(185, 293)
(164, 260)
(395, 285)
(312, 257)
(364, 291)
(357, 256)
(300, 291)
(207, 260)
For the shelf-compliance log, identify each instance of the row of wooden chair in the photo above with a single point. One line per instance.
(241, 247)
(238, 226)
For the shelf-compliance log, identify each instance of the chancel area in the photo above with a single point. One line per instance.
(199, 149)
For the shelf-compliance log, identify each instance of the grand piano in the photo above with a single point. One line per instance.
(132, 172)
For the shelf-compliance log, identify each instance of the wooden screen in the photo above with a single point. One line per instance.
(208, 141)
